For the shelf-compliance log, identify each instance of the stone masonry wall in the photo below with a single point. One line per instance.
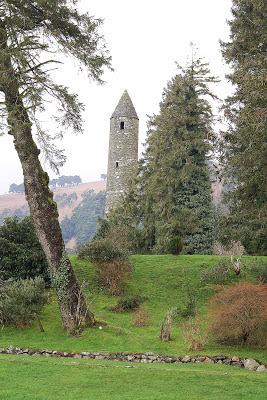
(149, 357)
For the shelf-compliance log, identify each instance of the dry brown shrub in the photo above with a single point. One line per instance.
(193, 333)
(166, 325)
(239, 314)
(142, 317)
(114, 275)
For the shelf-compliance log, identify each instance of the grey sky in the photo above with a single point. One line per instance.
(144, 38)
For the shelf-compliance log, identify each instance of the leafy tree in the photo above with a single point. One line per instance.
(13, 188)
(32, 33)
(243, 144)
(65, 180)
(21, 255)
(171, 195)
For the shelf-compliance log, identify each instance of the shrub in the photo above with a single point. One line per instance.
(166, 325)
(216, 274)
(21, 300)
(233, 249)
(189, 301)
(103, 251)
(176, 245)
(192, 332)
(21, 255)
(261, 270)
(142, 317)
(128, 303)
(239, 314)
(111, 262)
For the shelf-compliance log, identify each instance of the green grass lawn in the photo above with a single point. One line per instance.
(35, 378)
(161, 279)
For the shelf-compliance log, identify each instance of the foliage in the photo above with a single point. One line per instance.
(13, 188)
(21, 300)
(171, 194)
(217, 274)
(34, 35)
(90, 209)
(65, 200)
(119, 231)
(21, 213)
(176, 245)
(233, 249)
(37, 34)
(193, 333)
(103, 250)
(21, 255)
(128, 303)
(243, 144)
(111, 261)
(239, 314)
(66, 181)
(188, 307)
(262, 275)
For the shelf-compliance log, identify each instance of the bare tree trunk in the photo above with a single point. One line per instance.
(43, 209)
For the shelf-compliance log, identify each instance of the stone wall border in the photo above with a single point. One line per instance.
(148, 357)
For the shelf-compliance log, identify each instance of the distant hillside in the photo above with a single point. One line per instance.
(15, 201)
(78, 207)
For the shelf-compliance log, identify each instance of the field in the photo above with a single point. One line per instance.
(162, 280)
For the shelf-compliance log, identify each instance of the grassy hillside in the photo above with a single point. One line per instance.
(161, 279)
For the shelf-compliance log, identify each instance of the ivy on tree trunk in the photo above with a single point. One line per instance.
(28, 29)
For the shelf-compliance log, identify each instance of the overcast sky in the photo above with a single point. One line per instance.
(145, 38)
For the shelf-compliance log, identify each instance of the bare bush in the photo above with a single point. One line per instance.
(233, 249)
(142, 317)
(166, 325)
(193, 333)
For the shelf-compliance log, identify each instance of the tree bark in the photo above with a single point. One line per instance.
(43, 209)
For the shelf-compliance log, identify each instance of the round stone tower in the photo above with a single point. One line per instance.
(123, 150)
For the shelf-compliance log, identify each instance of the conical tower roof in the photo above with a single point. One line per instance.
(125, 107)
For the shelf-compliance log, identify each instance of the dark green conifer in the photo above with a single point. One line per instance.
(171, 195)
(244, 142)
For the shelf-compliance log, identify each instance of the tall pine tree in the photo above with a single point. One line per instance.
(171, 195)
(244, 143)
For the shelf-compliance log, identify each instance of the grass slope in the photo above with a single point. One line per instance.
(161, 279)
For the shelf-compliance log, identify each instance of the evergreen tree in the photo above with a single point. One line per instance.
(32, 34)
(244, 143)
(171, 195)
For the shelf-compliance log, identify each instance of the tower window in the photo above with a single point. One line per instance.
(117, 164)
(122, 124)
